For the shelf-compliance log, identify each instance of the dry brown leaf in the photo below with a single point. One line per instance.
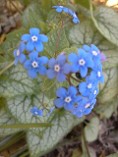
(14, 5)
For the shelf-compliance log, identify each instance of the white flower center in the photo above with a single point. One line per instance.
(35, 64)
(17, 52)
(99, 74)
(68, 99)
(89, 85)
(94, 53)
(34, 38)
(87, 105)
(81, 62)
(95, 92)
(57, 68)
(74, 15)
(36, 112)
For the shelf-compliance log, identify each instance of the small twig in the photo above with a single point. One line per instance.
(68, 79)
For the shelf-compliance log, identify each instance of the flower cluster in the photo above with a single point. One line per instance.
(59, 9)
(28, 52)
(81, 100)
(78, 99)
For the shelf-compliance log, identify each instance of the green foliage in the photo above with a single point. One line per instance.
(57, 42)
(84, 3)
(6, 119)
(18, 93)
(62, 124)
(110, 88)
(106, 22)
(10, 44)
(92, 129)
(30, 16)
(105, 110)
(113, 155)
(16, 82)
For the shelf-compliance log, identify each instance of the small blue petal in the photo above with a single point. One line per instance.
(61, 92)
(61, 77)
(59, 10)
(29, 46)
(25, 37)
(72, 90)
(34, 31)
(32, 73)
(86, 47)
(22, 58)
(27, 64)
(33, 55)
(83, 71)
(43, 60)
(76, 20)
(72, 58)
(82, 87)
(42, 70)
(58, 102)
(43, 38)
(50, 73)
(66, 10)
(61, 59)
(66, 68)
(51, 62)
(39, 46)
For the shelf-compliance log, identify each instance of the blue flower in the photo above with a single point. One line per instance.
(94, 51)
(18, 54)
(97, 73)
(36, 112)
(58, 68)
(34, 40)
(66, 97)
(35, 65)
(83, 107)
(81, 62)
(59, 9)
(89, 88)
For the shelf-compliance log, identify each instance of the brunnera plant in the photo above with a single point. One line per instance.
(55, 70)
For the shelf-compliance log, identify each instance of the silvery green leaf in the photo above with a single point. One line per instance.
(7, 119)
(106, 109)
(57, 42)
(109, 89)
(16, 82)
(62, 124)
(92, 129)
(106, 21)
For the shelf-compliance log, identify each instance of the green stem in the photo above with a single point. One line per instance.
(7, 67)
(85, 143)
(26, 125)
